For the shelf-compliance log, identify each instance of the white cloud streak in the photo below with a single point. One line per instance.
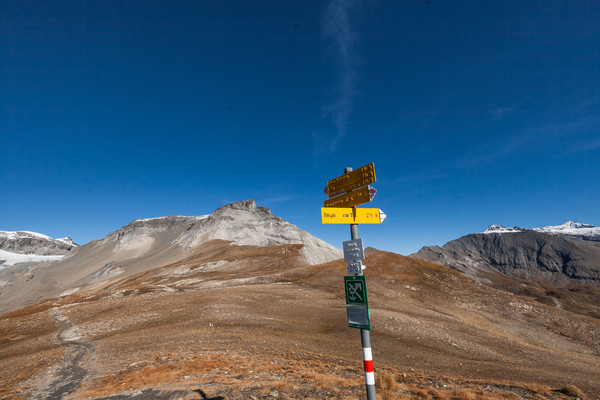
(500, 112)
(556, 139)
(341, 36)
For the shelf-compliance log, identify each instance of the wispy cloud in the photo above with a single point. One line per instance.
(588, 144)
(500, 112)
(422, 177)
(341, 38)
(555, 139)
(278, 199)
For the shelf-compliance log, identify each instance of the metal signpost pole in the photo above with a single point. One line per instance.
(365, 334)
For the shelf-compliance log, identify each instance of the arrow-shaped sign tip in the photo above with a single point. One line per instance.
(382, 215)
(372, 192)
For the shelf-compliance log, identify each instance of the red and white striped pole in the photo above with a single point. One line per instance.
(368, 360)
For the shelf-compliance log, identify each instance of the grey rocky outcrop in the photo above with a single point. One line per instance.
(526, 254)
(245, 223)
(23, 242)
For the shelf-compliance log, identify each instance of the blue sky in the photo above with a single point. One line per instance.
(474, 113)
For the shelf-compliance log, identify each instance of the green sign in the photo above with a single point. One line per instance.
(357, 304)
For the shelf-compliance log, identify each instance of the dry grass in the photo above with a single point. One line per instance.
(385, 381)
(28, 347)
(538, 388)
(572, 391)
(289, 335)
(391, 385)
(287, 377)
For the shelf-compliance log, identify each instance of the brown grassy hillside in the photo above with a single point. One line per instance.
(253, 323)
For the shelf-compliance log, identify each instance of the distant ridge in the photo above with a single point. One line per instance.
(558, 253)
(26, 242)
(561, 262)
(31, 247)
(569, 229)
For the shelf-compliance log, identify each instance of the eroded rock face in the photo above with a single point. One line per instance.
(524, 254)
(245, 223)
(23, 242)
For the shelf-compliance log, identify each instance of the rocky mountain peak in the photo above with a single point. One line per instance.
(244, 205)
(245, 223)
(242, 223)
(576, 225)
(501, 229)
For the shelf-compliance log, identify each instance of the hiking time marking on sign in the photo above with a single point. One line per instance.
(353, 250)
(335, 215)
(353, 198)
(352, 180)
(355, 267)
(357, 304)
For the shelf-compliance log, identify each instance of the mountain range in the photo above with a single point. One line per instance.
(555, 264)
(570, 229)
(241, 304)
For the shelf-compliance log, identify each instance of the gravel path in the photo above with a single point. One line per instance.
(68, 375)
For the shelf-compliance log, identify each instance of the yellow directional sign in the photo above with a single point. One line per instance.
(352, 180)
(352, 199)
(334, 215)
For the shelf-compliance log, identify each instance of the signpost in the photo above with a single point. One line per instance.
(354, 190)
(334, 215)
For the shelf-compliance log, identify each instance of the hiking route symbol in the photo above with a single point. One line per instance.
(355, 291)
(357, 305)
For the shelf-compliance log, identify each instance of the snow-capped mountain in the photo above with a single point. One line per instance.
(9, 259)
(570, 229)
(25, 242)
(501, 229)
(573, 229)
(26, 247)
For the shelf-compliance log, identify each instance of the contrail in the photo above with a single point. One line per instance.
(338, 30)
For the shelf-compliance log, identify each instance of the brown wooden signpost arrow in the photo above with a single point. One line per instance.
(352, 180)
(353, 198)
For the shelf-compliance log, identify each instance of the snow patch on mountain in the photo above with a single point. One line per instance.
(569, 229)
(501, 229)
(8, 259)
(197, 217)
(68, 241)
(23, 234)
